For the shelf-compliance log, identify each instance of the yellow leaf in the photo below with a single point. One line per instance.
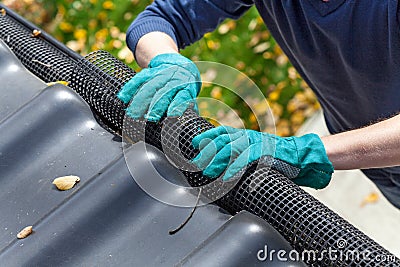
(370, 199)
(80, 34)
(58, 82)
(267, 55)
(274, 95)
(213, 45)
(108, 5)
(101, 35)
(66, 182)
(277, 109)
(102, 15)
(297, 117)
(66, 27)
(252, 118)
(25, 232)
(261, 107)
(216, 93)
(223, 29)
(203, 105)
(261, 47)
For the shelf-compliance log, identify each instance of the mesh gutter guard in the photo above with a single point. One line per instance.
(306, 223)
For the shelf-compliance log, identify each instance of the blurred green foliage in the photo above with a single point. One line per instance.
(246, 45)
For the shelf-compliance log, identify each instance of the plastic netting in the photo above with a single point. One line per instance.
(43, 59)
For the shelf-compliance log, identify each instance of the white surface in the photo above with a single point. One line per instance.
(347, 191)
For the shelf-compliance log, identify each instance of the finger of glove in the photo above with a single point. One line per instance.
(313, 178)
(194, 107)
(207, 152)
(132, 86)
(231, 137)
(226, 155)
(177, 79)
(177, 60)
(181, 102)
(162, 99)
(252, 153)
(211, 134)
(141, 101)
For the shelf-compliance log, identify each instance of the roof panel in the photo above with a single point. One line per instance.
(15, 92)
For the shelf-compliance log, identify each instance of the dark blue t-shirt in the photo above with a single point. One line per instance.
(347, 51)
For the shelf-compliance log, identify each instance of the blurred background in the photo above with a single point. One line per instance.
(88, 25)
(246, 45)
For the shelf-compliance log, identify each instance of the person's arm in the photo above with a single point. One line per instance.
(153, 44)
(377, 145)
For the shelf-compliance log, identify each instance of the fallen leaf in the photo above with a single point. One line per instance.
(371, 198)
(25, 232)
(66, 182)
(36, 33)
(58, 82)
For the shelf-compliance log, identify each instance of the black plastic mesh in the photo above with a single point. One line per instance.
(305, 222)
(97, 78)
(42, 59)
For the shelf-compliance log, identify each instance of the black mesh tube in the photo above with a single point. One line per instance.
(97, 78)
(49, 61)
(305, 222)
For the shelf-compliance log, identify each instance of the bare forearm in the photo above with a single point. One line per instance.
(374, 146)
(153, 44)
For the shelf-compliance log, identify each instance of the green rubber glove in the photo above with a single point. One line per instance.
(304, 159)
(169, 84)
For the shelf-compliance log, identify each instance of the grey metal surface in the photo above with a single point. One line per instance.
(244, 230)
(17, 85)
(106, 219)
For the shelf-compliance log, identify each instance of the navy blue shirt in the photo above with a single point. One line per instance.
(348, 51)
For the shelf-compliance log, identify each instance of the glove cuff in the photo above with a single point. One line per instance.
(169, 58)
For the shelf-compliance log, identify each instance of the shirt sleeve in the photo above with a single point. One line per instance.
(186, 21)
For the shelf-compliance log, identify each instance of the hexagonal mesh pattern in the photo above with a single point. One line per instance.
(306, 223)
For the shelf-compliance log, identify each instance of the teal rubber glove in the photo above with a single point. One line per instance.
(169, 84)
(230, 150)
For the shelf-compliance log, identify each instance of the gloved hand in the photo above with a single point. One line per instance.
(170, 83)
(226, 148)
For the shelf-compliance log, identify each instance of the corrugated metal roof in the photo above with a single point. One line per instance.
(106, 219)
